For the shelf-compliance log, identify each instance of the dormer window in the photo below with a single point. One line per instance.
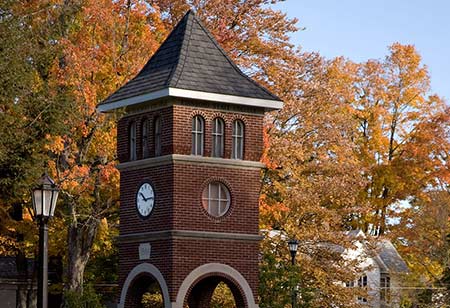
(144, 137)
(237, 150)
(157, 135)
(198, 128)
(217, 137)
(132, 140)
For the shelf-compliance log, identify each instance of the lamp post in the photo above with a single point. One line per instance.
(293, 246)
(44, 197)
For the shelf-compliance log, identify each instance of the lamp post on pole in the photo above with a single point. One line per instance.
(44, 197)
(293, 246)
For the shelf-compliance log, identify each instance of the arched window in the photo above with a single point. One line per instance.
(132, 139)
(198, 128)
(216, 199)
(157, 135)
(237, 150)
(144, 141)
(217, 137)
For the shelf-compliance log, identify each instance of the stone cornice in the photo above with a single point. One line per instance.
(190, 159)
(184, 234)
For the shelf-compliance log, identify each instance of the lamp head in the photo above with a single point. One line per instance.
(293, 246)
(44, 197)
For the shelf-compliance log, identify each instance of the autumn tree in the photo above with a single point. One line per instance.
(67, 56)
(402, 135)
(107, 44)
(30, 109)
(423, 239)
(311, 184)
(353, 141)
(401, 130)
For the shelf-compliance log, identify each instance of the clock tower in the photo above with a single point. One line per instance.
(189, 146)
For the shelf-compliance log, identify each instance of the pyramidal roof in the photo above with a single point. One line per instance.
(191, 64)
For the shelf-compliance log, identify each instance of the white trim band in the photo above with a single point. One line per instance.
(190, 159)
(182, 93)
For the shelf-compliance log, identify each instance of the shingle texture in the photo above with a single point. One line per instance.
(390, 257)
(191, 59)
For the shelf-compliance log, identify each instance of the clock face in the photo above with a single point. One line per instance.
(145, 199)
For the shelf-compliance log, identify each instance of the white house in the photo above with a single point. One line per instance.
(383, 270)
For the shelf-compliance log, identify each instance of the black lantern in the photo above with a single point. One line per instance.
(44, 198)
(293, 246)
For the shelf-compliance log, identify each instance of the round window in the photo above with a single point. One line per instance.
(216, 199)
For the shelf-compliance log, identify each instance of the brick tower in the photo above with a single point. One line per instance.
(189, 146)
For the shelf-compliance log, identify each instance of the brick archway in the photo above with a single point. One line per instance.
(143, 275)
(198, 287)
(201, 292)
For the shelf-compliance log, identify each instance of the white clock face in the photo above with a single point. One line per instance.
(145, 199)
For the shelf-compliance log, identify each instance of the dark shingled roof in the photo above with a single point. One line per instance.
(191, 59)
(387, 257)
(390, 257)
(8, 268)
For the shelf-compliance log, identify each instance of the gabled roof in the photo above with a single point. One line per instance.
(190, 61)
(391, 261)
(385, 254)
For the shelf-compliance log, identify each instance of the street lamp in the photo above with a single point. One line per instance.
(293, 246)
(44, 197)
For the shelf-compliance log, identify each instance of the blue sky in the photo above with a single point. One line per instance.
(363, 29)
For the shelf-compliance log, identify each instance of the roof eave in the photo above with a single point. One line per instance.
(267, 104)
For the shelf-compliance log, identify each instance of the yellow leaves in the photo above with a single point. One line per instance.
(57, 233)
(104, 143)
(55, 144)
(270, 213)
(103, 243)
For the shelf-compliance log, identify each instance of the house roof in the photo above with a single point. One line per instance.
(8, 267)
(390, 258)
(386, 255)
(190, 59)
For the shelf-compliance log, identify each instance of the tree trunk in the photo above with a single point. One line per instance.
(80, 239)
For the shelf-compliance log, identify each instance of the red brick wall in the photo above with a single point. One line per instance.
(176, 258)
(189, 214)
(177, 131)
(178, 205)
(161, 217)
(178, 189)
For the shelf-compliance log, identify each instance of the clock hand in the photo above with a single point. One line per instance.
(143, 197)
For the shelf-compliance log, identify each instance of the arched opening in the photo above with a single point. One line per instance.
(215, 291)
(143, 284)
(199, 286)
(144, 292)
